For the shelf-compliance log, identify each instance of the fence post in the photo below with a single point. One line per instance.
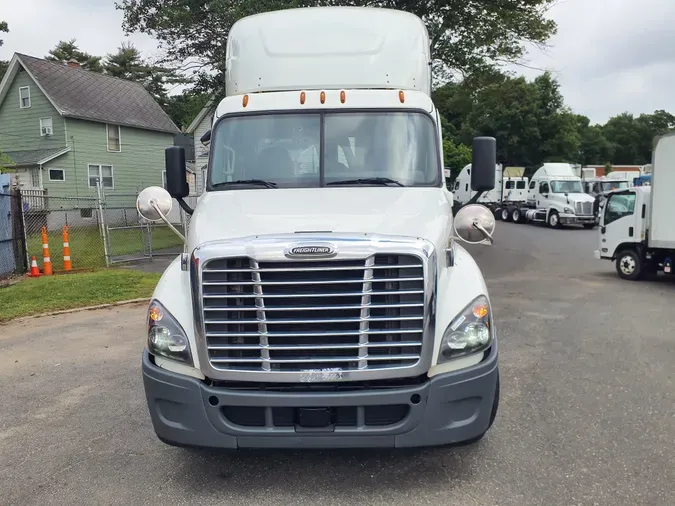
(21, 225)
(102, 223)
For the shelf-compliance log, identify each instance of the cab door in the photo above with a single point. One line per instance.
(619, 222)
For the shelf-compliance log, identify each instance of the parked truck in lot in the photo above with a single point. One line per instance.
(508, 191)
(555, 196)
(323, 298)
(637, 229)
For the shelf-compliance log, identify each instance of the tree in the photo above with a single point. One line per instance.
(466, 35)
(127, 63)
(66, 51)
(185, 107)
(595, 148)
(3, 63)
(455, 157)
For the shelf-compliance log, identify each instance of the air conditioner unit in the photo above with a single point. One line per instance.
(46, 130)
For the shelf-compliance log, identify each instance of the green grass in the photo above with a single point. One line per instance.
(86, 245)
(67, 291)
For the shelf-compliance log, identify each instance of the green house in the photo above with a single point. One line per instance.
(65, 129)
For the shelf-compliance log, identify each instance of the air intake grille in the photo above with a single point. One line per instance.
(584, 208)
(323, 315)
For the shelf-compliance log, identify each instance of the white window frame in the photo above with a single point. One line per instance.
(119, 138)
(51, 124)
(100, 176)
(21, 106)
(49, 175)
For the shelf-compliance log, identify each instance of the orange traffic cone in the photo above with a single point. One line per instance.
(34, 271)
(47, 261)
(67, 264)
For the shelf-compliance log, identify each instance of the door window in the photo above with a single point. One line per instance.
(618, 206)
(543, 188)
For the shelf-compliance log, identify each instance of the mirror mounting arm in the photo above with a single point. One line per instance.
(153, 203)
(475, 198)
(184, 206)
(487, 235)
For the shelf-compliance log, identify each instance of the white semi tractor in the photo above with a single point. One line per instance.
(637, 226)
(508, 190)
(555, 197)
(323, 299)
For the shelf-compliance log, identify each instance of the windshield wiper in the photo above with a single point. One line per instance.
(368, 180)
(259, 182)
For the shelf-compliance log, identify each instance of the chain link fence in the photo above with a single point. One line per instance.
(99, 231)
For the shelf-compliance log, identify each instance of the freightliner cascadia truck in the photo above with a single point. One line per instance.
(323, 298)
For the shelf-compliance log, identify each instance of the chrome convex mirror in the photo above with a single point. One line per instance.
(154, 204)
(474, 224)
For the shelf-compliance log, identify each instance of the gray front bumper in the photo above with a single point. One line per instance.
(447, 408)
(574, 219)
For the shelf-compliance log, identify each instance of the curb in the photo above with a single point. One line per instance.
(77, 310)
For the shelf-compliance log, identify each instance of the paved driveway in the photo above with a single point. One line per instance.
(587, 414)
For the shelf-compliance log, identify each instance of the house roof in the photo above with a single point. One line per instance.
(82, 94)
(35, 156)
(208, 108)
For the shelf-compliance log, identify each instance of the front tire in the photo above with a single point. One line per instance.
(553, 220)
(629, 265)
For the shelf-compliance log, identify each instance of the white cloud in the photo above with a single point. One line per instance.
(610, 56)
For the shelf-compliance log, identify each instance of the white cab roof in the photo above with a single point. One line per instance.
(557, 170)
(328, 48)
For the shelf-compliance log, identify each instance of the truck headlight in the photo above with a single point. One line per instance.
(470, 332)
(166, 337)
(568, 210)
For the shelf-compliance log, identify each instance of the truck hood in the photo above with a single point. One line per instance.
(573, 197)
(415, 212)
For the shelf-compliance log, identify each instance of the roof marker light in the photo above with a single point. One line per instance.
(343, 97)
(244, 102)
(302, 98)
(322, 97)
(401, 96)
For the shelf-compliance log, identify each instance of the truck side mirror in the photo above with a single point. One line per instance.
(206, 138)
(483, 161)
(176, 172)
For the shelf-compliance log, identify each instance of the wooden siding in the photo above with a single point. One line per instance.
(20, 128)
(139, 164)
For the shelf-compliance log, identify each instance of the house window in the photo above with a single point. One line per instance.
(114, 143)
(46, 126)
(57, 175)
(35, 178)
(103, 173)
(24, 97)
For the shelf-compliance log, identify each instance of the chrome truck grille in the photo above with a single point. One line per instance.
(315, 320)
(584, 208)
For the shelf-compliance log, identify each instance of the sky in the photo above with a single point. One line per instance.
(610, 56)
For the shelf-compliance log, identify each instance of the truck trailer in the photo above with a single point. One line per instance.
(323, 298)
(637, 230)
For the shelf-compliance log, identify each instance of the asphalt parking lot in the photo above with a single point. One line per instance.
(587, 414)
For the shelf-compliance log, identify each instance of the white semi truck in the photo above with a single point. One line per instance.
(637, 230)
(323, 299)
(508, 191)
(555, 197)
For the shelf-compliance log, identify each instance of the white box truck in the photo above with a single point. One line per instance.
(637, 230)
(323, 299)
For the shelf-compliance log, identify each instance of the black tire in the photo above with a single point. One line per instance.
(516, 215)
(497, 211)
(629, 265)
(506, 214)
(589, 226)
(493, 415)
(553, 220)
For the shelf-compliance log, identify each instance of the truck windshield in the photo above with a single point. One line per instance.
(566, 187)
(286, 150)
